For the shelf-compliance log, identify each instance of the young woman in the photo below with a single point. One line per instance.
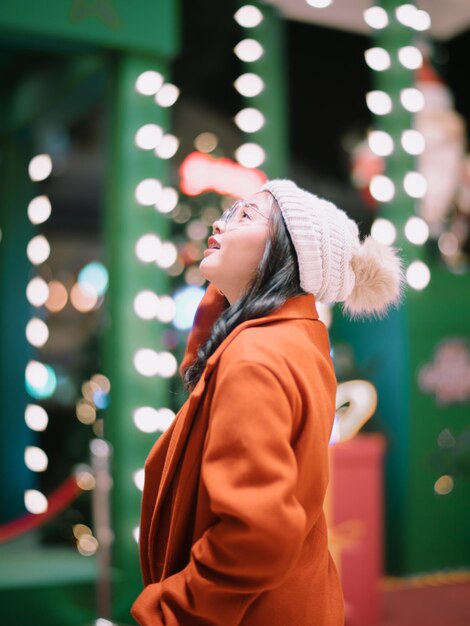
(232, 527)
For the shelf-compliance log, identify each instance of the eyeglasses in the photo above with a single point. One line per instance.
(240, 213)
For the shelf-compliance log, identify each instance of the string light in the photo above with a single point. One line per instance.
(250, 120)
(167, 147)
(415, 184)
(167, 95)
(146, 304)
(249, 50)
(35, 459)
(37, 291)
(147, 248)
(418, 275)
(167, 200)
(148, 136)
(413, 142)
(249, 85)
(416, 230)
(384, 231)
(38, 250)
(39, 209)
(381, 143)
(377, 59)
(412, 99)
(148, 83)
(40, 167)
(250, 155)
(382, 188)
(35, 501)
(37, 332)
(36, 417)
(248, 16)
(148, 191)
(379, 102)
(146, 362)
(410, 57)
(376, 17)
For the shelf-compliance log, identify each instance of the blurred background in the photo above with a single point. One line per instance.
(125, 131)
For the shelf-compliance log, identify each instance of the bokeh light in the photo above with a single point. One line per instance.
(249, 50)
(250, 155)
(148, 136)
(249, 85)
(93, 278)
(416, 230)
(38, 250)
(248, 16)
(40, 167)
(167, 95)
(187, 300)
(35, 501)
(35, 459)
(37, 332)
(40, 380)
(418, 275)
(149, 82)
(36, 417)
(39, 209)
(383, 230)
(37, 291)
(249, 120)
(57, 297)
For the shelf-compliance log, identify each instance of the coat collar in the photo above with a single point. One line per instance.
(299, 307)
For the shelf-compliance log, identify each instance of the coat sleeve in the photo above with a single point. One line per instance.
(209, 309)
(249, 470)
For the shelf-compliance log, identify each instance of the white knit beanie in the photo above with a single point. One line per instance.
(333, 263)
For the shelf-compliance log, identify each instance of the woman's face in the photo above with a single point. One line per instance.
(237, 245)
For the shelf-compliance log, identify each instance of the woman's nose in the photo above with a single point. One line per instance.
(218, 227)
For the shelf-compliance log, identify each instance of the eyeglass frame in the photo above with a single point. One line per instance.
(226, 216)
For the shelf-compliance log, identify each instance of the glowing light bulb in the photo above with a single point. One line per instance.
(35, 501)
(168, 365)
(146, 304)
(148, 83)
(167, 95)
(139, 479)
(249, 120)
(416, 230)
(249, 50)
(35, 459)
(167, 200)
(148, 136)
(40, 167)
(166, 310)
(37, 332)
(36, 417)
(37, 291)
(39, 209)
(250, 155)
(146, 362)
(412, 99)
(410, 57)
(382, 188)
(381, 143)
(418, 275)
(148, 191)
(320, 4)
(38, 250)
(415, 184)
(147, 248)
(379, 102)
(248, 16)
(376, 17)
(168, 255)
(249, 85)
(167, 147)
(377, 59)
(384, 231)
(413, 142)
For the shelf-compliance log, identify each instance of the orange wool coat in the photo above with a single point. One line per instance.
(232, 528)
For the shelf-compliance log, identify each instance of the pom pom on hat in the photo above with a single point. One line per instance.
(333, 264)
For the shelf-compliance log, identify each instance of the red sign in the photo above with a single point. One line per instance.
(200, 172)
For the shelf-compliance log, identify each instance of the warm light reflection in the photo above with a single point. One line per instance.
(82, 301)
(57, 297)
(206, 142)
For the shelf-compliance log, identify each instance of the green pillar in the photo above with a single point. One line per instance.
(272, 101)
(15, 351)
(126, 222)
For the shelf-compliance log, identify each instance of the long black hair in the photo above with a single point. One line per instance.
(276, 280)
